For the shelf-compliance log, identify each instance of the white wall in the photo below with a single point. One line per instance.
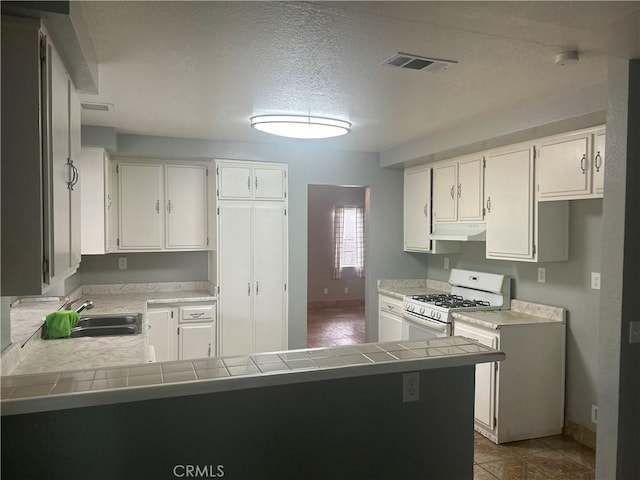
(322, 200)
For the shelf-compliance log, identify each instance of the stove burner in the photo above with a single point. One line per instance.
(446, 300)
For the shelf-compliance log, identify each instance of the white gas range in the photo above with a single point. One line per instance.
(429, 316)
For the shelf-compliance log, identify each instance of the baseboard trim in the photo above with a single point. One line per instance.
(358, 302)
(580, 434)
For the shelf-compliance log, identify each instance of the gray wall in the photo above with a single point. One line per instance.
(144, 268)
(619, 361)
(309, 166)
(567, 285)
(322, 200)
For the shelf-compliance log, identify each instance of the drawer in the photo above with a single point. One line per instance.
(390, 304)
(197, 313)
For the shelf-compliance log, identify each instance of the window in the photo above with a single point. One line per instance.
(348, 239)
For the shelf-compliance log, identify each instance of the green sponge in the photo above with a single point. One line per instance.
(59, 323)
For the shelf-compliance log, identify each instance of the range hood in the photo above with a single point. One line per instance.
(462, 232)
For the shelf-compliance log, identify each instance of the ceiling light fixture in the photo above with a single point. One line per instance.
(300, 126)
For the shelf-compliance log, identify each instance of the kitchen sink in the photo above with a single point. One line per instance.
(104, 325)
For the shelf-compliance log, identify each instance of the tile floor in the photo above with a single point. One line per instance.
(548, 458)
(330, 326)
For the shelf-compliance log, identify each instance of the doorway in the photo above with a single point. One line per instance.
(336, 278)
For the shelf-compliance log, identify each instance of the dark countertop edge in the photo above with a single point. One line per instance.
(197, 387)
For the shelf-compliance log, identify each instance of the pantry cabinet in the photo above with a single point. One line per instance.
(163, 207)
(518, 227)
(40, 168)
(182, 332)
(252, 267)
(458, 190)
(521, 397)
(571, 166)
(389, 318)
(99, 202)
(417, 213)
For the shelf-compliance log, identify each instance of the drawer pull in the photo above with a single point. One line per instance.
(196, 315)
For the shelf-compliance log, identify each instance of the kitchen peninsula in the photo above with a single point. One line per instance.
(341, 412)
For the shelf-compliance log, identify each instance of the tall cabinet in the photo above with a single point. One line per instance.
(252, 256)
(40, 172)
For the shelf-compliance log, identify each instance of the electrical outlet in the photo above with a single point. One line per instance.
(122, 263)
(446, 263)
(542, 275)
(326, 291)
(595, 280)
(594, 413)
(411, 387)
(346, 290)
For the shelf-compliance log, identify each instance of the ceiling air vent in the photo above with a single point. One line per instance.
(99, 107)
(416, 62)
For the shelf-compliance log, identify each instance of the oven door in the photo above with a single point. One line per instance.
(423, 329)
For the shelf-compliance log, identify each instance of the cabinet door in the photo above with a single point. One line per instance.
(270, 267)
(234, 277)
(269, 183)
(485, 396)
(445, 182)
(195, 341)
(417, 220)
(470, 191)
(111, 204)
(186, 206)
(58, 214)
(76, 200)
(599, 141)
(509, 204)
(563, 167)
(234, 182)
(94, 205)
(389, 327)
(141, 199)
(161, 333)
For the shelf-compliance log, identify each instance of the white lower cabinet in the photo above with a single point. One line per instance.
(521, 397)
(389, 318)
(182, 332)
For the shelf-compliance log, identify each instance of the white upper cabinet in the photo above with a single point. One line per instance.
(242, 181)
(517, 227)
(141, 189)
(599, 141)
(99, 202)
(40, 168)
(417, 217)
(458, 190)
(186, 206)
(163, 206)
(571, 166)
(417, 214)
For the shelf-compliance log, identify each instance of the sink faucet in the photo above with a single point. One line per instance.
(86, 305)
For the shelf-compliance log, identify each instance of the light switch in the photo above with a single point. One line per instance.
(542, 275)
(122, 263)
(595, 280)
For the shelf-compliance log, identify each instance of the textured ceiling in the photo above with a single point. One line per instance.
(201, 69)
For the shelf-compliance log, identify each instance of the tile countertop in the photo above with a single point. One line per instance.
(41, 356)
(400, 288)
(65, 390)
(521, 313)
